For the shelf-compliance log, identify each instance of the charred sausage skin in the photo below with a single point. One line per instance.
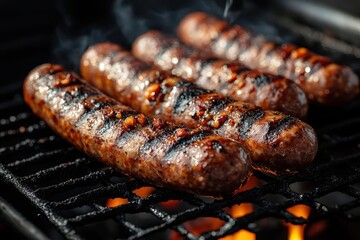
(277, 143)
(151, 150)
(229, 78)
(323, 81)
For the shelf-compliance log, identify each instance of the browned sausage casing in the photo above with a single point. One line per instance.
(229, 78)
(154, 151)
(323, 81)
(278, 143)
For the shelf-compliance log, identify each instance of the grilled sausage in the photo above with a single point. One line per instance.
(277, 143)
(154, 151)
(323, 81)
(229, 78)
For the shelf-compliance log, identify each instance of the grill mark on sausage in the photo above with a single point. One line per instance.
(123, 58)
(218, 104)
(208, 61)
(55, 90)
(165, 46)
(113, 54)
(237, 68)
(248, 119)
(110, 121)
(51, 94)
(77, 93)
(278, 127)
(92, 106)
(262, 80)
(154, 141)
(183, 142)
(139, 68)
(129, 133)
(189, 92)
(218, 37)
(230, 43)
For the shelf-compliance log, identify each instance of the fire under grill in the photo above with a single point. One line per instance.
(67, 192)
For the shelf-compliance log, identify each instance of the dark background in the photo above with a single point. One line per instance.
(35, 32)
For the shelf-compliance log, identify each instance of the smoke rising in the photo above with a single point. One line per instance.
(121, 21)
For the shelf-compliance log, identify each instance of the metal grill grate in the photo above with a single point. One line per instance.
(70, 189)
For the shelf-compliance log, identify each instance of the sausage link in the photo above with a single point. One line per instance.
(278, 143)
(229, 78)
(323, 81)
(151, 150)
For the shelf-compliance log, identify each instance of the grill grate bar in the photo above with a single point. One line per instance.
(338, 126)
(50, 172)
(172, 220)
(130, 226)
(236, 225)
(90, 178)
(88, 196)
(351, 191)
(348, 206)
(185, 233)
(132, 206)
(39, 157)
(28, 143)
(228, 226)
(22, 130)
(335, 140)
(291, 217)
(182, 230)
(56, 220)
(13, 119)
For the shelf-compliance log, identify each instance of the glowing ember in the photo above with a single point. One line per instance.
(143, 191)
(241, 210)
(140, 192)
(115, 202)
(238, 211)
(170, 204)
(296, 232)
(200, 225)
(242, 234)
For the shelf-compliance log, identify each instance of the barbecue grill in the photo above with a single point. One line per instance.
(51, 190)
